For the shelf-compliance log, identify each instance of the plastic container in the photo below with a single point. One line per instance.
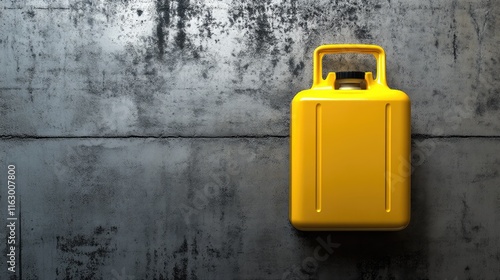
(350, 149)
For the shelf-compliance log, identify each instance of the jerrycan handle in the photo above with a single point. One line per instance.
(320, 51)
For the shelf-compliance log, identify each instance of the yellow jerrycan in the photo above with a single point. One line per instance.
(350, 149)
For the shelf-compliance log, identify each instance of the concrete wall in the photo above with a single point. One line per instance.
(151, 138)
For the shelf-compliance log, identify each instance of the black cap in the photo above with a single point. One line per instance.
(350, 75)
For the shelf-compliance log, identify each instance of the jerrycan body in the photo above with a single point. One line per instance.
(350, 150)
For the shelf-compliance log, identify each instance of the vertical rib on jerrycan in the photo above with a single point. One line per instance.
(350, 149)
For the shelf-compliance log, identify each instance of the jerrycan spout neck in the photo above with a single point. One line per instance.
(352, 80)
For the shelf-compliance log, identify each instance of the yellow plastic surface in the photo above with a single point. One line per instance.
(350, 152)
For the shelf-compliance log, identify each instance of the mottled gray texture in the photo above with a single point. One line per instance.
(231, 67)
(217, 209)
(184, 107)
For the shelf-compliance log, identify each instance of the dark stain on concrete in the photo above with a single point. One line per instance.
(295, 69)
(180, 270)
(194, 248)
(480, 109)
(264, 36)
(183, 248)
(207, 25)
(31, 13)
(374, 269)
(468, 230)
(82, 255)
(182, 7)
(363, 33)
(436, 93)
(455, 48)
(162, 25)
(173, 17)
(265, 24)
(288, 45)
(383, 266)
(487, 102)
(148, 262)
(453, 29)
(486, 175)
(252, 18)
(493, 102)
(352, 13)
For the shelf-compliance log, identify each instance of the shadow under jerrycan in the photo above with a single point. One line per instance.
(350, 149)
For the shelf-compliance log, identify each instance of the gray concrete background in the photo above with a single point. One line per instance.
(151, 138)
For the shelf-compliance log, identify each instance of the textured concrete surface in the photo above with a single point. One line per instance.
(230, 67)
(217, 209)
(150, 137)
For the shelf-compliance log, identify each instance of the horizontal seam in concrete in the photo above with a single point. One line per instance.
(430, 136)
(86, 89)
(34, 137)
(36, 8)
(20, 137)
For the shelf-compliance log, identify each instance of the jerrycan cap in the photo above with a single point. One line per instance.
(350, 80)
(350, 75)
